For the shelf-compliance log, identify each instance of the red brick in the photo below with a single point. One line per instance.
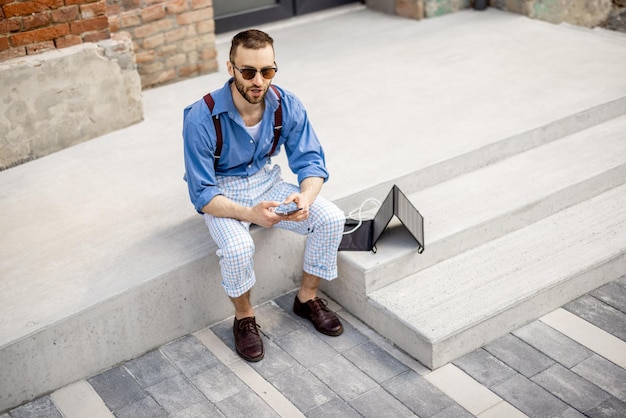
(4, 43)
(144, 57)
(131, 4)
(68, 40)
(129, 19)
(78, 2)
(114, 23)
(12, 53)
(39, 47)
(151, 13)
(176, 34)
(152, 42)
(65, 14)
(93, 9)
(26, 8)
(195, 16)
(10, 25)
(36, 20)
(39, 35)
(89, 25)
(113, 10)
(207, 26)
(152, 28)
(96, 36)
(175, 7)
(201, 4)
(188, 70)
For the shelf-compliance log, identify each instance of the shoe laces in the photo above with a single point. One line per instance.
(320, 305)
(249, 325)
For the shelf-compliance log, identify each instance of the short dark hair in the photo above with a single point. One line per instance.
(252, 39)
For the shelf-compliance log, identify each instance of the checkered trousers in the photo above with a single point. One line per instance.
(323, 229)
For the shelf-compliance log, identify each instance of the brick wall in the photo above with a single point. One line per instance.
(172, 39)
(29, 27)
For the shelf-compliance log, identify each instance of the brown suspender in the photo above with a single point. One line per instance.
(278, 124)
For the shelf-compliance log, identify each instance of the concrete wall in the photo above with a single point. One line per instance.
(577, 12)
(66, 96)
(587, 13)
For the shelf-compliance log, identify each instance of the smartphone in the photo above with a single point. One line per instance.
(287, 209)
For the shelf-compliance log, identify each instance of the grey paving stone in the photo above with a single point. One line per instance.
(151, 368)
(600, 314)
(343, 377)
(552, 343)
(611, 408)
(613, 294)
(5, 415)
(604, 374)
(39, 408)
(285, 302)
(335, 408)
(350, 338)
(569, 413)
(203, 409)
(218, 383)
(375, 362)
(175, 394)
(305, 347)
(454, 411)
(274, 321)
(529, 397)
(276, 360)
(571, 388)
(189, 355)
(144, 408)
(378, 403)
(484, 367)
(246, 404)
(418, 394)
(302, 388)
(519, 356)
(117, 388)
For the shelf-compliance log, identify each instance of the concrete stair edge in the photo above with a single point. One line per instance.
(398, 249)
(435, 348)
(489, 154)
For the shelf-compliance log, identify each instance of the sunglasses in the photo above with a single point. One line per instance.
(249, 73)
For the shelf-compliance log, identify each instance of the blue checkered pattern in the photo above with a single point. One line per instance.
(323, 229)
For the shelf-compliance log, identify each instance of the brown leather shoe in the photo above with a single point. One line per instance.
(323, 319)
(247, 339)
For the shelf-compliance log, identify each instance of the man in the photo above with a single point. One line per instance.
(241, 187)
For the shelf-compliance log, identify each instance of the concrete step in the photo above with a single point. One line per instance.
(483, 205)
(466, 301)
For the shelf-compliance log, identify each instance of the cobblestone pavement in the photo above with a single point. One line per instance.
(570, 363)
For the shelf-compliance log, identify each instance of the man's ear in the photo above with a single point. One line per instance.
(229, 68)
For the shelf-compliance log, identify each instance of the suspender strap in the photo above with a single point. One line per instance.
(278, 121)
(208, 99)
(278, 124)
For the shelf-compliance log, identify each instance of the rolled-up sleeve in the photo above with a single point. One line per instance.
(303, 148)
(199, 148)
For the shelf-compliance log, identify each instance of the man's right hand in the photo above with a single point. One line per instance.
(263, 214)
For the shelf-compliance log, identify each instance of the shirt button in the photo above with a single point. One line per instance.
(250, 166)
(251, 141)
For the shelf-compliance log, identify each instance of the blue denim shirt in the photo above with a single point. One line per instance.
(241, 155)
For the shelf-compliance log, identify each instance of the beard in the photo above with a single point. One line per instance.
(245, 92)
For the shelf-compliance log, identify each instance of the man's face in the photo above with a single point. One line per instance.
(253, 90)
